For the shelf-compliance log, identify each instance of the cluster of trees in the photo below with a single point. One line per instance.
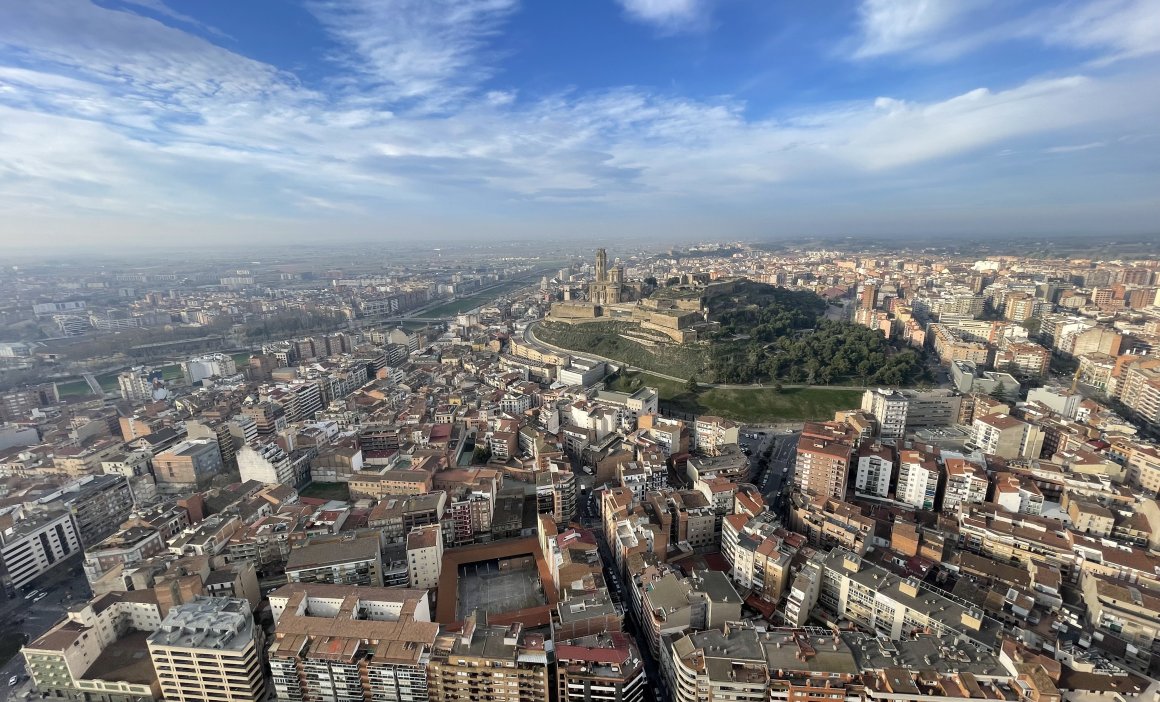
(834, 352)
(764, 312)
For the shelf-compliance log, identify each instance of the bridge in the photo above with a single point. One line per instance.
(93, 384)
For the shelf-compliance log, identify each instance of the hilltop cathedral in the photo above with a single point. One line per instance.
(608, 286)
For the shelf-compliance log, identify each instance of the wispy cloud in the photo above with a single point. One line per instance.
(158, 7)
(941, 30)
(895, 26)
(1070, 148)
(669, 16)
(107, 111)
(421, 52)
(1117, 29)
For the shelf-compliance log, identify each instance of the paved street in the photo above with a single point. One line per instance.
(66, 586)
(781, 444)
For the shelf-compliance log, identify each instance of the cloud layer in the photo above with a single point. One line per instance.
(143, 113)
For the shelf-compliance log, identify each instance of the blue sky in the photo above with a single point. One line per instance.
(130, 121)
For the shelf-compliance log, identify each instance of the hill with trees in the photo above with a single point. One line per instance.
(767, 334)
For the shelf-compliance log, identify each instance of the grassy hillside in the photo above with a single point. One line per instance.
(606, 339)
(751, 405)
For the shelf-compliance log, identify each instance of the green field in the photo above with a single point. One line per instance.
(326, 491)
(73, 388)
(756, 405)
(470, 302)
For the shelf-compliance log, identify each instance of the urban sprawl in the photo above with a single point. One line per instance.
(582, 477)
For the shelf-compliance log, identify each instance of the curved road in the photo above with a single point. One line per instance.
(530, 339)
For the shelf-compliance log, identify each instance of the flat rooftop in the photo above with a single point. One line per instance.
(125, 660)
(329, 551)
(218, 623)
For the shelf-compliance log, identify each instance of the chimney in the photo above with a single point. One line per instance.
(909, 587)
(972, 619)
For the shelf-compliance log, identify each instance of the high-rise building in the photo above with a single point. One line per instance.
(1007, 437)
(188, 466)
(337, 643)
(488, 662)
(875, 470)
(821, 467)
(918, 476)
(136, 385)
(869, 296)
(17, 404)
(98, 503)
(889, 409)
(31, 544)
(966, 482)
(209, 649)
(425, 556)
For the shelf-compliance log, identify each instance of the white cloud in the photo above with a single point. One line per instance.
(158, 7)
(1070, 148)
(668, 15)
(424, 51)
(894, 26)
(1119, 29)
(940, 30)
(126, 116)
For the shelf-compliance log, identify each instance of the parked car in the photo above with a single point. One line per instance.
(12, 681)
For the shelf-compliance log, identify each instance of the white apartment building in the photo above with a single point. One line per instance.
(211, 365)
(1015, 494)
(1007, 437)
(332, 642)
(897, 608)
(875, 470)
(425, 556)
(918, 476)
(966, 482)
(889, 409)
(710, 433)
(31, 544)
(266, 463)
(583, 371)
(62, 660)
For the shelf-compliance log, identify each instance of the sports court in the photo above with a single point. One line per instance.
(482, 586)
